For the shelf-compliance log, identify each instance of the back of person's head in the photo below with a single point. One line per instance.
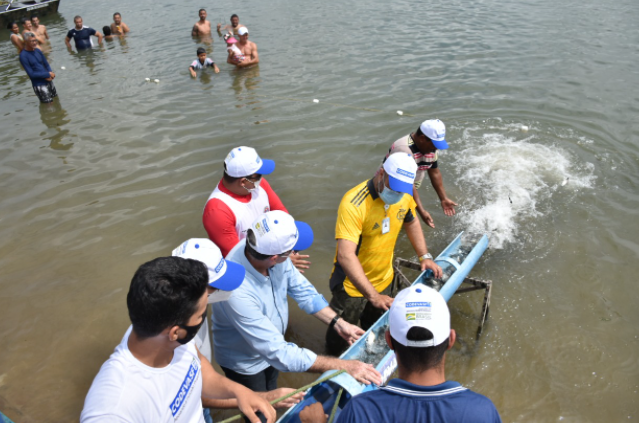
(200, 51)
(107, 30)
(419, 326)
(165, 292)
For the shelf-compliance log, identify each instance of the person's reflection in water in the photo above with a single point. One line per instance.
(246, 79)
(54, 117)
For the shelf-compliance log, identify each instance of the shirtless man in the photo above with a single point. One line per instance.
(39, 30)
(248, 49)
(234, 27)
(28, 27)
(201, 27)
(118, 27)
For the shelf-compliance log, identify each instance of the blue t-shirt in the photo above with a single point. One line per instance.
(36, 66)
(82, 37)
(402, 401)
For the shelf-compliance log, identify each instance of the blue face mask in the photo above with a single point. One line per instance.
(390, 197)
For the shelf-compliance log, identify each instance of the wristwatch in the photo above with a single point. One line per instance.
(335, 319)
(427, 256)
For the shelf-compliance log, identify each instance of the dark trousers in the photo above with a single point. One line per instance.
(355, 310)
(266, 380)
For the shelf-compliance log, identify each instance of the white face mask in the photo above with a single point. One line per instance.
(256, 185)
(218, 296)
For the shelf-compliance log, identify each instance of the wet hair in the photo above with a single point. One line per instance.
(117, 14)
(10, 25)
(234, 16)
(106, 30)
(165, 292)
(419, 359)
(200, 51)
(200, 11)
(76, 18)
(250, 239)
(34, 17)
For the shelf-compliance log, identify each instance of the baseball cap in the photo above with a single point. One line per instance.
(224, 275)
(419, 306)
(401, 169)
(242, 31)
(276, 232)
(244, 161)
(436, 131)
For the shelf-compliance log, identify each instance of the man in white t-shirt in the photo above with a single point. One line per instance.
(423, 145)
(156, 374)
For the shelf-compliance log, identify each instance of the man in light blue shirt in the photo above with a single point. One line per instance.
(248, 329)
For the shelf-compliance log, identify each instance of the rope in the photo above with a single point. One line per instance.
(334, 410)
(297, 391)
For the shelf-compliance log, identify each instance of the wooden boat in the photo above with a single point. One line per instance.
(15, 10)
(345, 386)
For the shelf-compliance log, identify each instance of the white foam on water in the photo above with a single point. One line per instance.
(508, 181)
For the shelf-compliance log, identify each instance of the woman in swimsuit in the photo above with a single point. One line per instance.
(16, 37)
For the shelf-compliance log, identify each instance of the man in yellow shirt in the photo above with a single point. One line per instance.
(369, 219)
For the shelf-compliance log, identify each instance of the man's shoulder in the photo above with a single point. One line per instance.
(356, 196)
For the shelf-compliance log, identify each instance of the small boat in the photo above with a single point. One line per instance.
(456, 261)
(15, 10)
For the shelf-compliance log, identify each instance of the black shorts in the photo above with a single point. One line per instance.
(45, 93)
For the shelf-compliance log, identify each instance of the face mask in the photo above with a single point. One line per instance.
(218, 296)
(255, 184)
(390, 197)
(191, 331)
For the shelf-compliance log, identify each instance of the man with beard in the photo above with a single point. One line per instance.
(201, 27)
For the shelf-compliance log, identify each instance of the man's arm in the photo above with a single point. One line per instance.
(214, 385)
(347, 258)
(362, 372)
(125, 28)
(436, 180)
(195, 31)
(426, 217)
(268, 396)
(350, 333)
(254, 60)
(416, 237)
(46, 34)
(219, 223)
(100, 36)
(66, 41)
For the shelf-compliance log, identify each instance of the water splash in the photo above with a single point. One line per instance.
(507, 180)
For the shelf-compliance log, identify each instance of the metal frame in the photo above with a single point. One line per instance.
(400, 282)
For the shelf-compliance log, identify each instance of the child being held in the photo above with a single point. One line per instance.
(202, 62)
(234, 52)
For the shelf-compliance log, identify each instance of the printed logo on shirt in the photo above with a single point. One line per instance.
(219, 266)
(185, 389)
(401, 214)
(376, 226)
(267, 209)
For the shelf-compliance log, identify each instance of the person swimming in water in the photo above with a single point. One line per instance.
(202, 62)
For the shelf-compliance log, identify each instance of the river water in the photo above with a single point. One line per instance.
(119, 171)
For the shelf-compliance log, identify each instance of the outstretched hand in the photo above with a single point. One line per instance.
(362, 372)
(449, 207)
(349, 332)
(299, 261)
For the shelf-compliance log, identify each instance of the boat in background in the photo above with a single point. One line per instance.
(15, 10)
(456, 261)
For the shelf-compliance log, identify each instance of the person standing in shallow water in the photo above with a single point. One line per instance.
(38, 69)
(232, 28)
(201, 27)
(81, 35)
(118, 27)
(16, 38)
(39, 30)
(248, 49)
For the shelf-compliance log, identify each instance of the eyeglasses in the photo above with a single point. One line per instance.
(254, 178)
(287, 253)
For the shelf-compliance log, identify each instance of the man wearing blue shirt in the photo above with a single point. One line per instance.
(248, 329)
(420, 334)
(38, 69)
(81, 35)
